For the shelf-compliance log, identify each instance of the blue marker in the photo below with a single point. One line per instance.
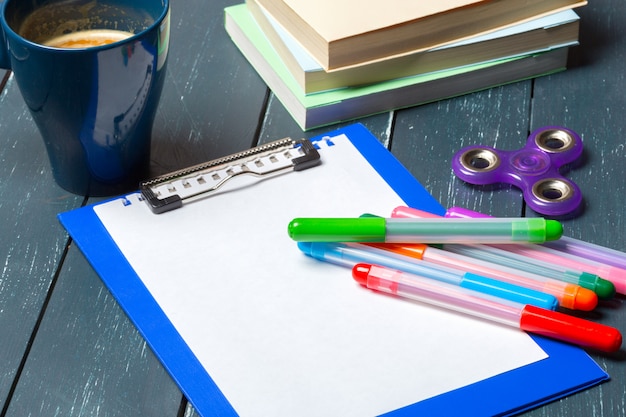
(348, 255)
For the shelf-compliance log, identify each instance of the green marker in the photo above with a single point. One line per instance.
(435, 230)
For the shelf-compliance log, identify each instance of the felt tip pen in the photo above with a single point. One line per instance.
(568, 295)
(613, 273)
(590, 251)
(348, 255)
(603, 288)
(435, 230)
(529, 318)
(605, 280)
(566, 244)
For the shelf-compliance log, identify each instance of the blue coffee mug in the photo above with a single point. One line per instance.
(94, 106)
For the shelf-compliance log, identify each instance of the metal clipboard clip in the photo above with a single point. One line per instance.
(167, 192)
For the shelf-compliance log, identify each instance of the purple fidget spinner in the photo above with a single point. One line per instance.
(534, 169)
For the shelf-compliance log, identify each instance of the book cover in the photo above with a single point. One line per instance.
(552, 31)
(339, 33)
(334, 106)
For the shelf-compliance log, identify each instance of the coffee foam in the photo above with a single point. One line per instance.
(87, 39)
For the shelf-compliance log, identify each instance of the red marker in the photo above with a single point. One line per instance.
(529, 318)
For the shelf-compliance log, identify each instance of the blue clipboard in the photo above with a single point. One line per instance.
(505, 394)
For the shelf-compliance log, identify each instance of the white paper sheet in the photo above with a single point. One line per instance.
(282, 334)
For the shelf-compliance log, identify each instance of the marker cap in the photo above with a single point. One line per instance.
(602, 287)
(570, 329)
(554, 230)
(538, 230)
(572, 296)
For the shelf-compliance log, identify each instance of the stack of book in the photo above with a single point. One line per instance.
(329, 61)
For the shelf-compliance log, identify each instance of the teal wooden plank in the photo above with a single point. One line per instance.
(425, 138)
(277, 123)
(86, 358)
(212, 101)
(32, 241)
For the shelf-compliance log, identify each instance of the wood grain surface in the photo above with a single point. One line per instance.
(67, 347)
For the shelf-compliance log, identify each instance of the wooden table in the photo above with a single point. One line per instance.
(67, 347)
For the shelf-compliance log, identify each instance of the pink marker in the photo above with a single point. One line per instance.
(611, 273)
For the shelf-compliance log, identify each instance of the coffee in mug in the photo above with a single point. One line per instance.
(92, 19)
(87, 38)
